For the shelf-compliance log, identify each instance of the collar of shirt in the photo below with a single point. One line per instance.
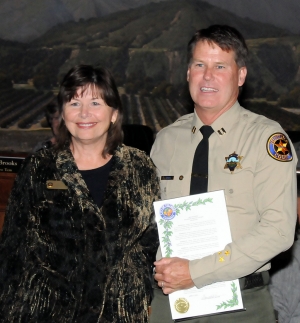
(221, 126)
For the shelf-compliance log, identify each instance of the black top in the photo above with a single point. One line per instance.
(96, 180)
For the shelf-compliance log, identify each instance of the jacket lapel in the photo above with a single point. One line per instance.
(118, 172)
(73, 180)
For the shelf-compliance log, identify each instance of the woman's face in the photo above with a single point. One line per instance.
(88, 117)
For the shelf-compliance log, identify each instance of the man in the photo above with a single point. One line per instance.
(53, 119)
(259, 184)
(285, 278)
(284, 284)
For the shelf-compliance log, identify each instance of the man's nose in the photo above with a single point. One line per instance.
(208, 74)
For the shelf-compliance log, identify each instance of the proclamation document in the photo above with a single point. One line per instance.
(193, 227)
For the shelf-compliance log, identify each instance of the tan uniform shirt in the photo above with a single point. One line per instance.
(260, 195)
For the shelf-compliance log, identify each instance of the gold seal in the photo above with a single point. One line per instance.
(181, 305)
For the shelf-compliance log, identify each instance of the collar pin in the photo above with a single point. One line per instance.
(221, 131)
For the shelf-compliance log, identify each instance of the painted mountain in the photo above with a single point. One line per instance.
(25, 20)
(145, 48)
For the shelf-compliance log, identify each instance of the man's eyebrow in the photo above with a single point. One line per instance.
(197, 60)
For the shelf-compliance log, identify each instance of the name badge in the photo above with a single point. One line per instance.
(56, 185)
(167, 178)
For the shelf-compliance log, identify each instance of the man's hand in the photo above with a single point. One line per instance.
(173, 274)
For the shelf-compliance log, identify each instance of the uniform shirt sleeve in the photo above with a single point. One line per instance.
(274, 196)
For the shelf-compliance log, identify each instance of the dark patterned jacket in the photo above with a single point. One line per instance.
(62, 259)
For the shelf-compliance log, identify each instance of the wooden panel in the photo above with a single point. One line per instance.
(7, 177)
(6, 183)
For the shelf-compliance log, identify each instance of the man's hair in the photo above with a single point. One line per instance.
(101, 82)
(226, 37)
(50, 109)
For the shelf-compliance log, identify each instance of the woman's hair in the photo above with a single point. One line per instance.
(101, 82)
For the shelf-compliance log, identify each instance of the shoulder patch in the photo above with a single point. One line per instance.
(279, 148)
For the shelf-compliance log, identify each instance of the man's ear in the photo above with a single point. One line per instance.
(242, 75)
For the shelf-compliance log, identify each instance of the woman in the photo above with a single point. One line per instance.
(79, 236)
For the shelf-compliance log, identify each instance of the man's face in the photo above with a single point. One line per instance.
(214, 78)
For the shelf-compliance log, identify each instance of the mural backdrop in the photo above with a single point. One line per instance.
(143, 43)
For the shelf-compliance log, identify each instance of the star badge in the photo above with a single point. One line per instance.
(233, 161)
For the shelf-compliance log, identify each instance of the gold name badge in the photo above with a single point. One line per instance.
(56, 185)
(181, 305)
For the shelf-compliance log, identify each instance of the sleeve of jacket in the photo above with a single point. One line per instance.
(133, 268)
(15, 245)
(29, 292)
(275, 197)
(149, 240)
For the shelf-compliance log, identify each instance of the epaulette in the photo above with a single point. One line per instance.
(185, 117)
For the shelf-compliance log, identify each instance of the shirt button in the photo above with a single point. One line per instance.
(181, 177)
(231, 191)
(246, 115)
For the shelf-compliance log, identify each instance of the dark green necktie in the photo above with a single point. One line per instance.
(199, 176)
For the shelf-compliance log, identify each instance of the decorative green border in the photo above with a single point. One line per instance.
(167, 224)
(232, 302)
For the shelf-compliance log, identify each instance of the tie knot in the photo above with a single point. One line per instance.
(206, 131)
